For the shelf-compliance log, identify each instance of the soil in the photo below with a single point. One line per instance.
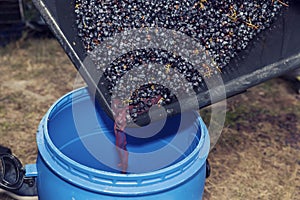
(256, 157)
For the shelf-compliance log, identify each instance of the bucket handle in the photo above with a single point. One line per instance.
(208, 170)
(11, 165)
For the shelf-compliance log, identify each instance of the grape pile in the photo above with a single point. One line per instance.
(222, 27)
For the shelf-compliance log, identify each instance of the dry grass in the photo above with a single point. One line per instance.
(257, 156)
(34, 74)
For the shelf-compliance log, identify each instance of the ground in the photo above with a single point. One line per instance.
(256, 157)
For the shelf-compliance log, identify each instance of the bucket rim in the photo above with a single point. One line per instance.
(121, 184)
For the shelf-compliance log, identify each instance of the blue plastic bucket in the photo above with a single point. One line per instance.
(78, 159)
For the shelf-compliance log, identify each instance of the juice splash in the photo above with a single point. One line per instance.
(120, 112)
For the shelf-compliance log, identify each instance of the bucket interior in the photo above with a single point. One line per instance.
(84, 133)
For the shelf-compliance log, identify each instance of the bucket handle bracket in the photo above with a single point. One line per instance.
(13, 174)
